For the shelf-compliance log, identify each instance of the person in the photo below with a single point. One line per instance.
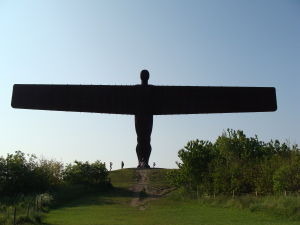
(110, 165)
(122, 164)
(154, 164)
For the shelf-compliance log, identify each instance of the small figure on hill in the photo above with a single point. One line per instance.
(154, 164)
(110, 165)
(122, 164)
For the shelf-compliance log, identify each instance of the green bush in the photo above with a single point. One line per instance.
(237, 163)
(25, 174)
(85, 173)
(19, 175)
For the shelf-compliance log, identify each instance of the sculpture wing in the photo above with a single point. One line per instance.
(155, 100)
(77, 98)
(195, 100)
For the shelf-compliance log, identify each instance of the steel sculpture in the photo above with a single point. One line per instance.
(144, 101)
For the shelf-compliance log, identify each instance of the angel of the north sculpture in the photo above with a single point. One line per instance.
(144, 101)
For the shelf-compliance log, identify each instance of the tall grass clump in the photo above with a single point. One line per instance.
(282, 206)
(24, 209)
(285, 206)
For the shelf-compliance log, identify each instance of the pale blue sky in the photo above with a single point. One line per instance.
(196, 43)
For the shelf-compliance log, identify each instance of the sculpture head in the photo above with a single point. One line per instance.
(145, 77)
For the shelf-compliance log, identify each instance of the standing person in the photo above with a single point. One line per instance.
(122, 164)
(154, 164)
(110, 165)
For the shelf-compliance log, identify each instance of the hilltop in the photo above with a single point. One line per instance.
(145, 184)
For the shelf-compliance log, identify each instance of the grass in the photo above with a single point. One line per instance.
(124, 178)
(113, 207)
(127, 177)
(30, 209)
(24, 215)
(284, 206)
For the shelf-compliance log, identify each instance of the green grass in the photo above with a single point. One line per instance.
(113, 207)
(124, 178)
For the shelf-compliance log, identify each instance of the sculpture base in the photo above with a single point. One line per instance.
(143, 166)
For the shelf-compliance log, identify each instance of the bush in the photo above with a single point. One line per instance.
(237, 163)
(85, 173)
(19, 175)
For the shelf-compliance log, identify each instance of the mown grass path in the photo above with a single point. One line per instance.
(115, 207)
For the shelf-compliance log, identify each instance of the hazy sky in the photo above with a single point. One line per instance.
(196, 43)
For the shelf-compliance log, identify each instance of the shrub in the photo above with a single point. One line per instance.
(85, 173)
(21, 175)
(237, 163)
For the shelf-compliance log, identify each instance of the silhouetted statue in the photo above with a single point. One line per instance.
(143, 101)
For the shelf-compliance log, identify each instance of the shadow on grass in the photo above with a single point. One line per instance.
(109, 197)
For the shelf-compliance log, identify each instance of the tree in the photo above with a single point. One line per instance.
(287, 176)
(193, 173)
(85, 173)
(237, 163)
(20, 173)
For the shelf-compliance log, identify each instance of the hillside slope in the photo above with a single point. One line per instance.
(132, 201)
(145, 184)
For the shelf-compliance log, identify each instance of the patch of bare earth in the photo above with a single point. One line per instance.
(142, 194)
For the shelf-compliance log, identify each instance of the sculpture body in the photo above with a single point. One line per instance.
(143, 101)
(143, 127)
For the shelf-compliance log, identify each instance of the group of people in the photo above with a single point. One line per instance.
(111, 164)
(141, 165)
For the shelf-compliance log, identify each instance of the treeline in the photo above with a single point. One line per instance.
(236, 163)
(21, 174)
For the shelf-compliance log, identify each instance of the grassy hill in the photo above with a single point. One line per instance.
(140, 197)
(127, 178)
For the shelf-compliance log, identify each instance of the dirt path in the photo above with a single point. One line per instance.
(142, 194)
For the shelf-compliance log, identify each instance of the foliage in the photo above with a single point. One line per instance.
(21, 175)
(24, 177)
(194, 170)
(29, 209)
(236, 163)
(85, 173)
(25, 174)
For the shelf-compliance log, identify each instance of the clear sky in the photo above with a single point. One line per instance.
(196, 43)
